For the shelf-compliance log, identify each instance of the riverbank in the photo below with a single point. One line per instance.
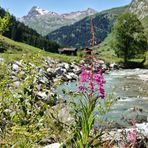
(30, 86)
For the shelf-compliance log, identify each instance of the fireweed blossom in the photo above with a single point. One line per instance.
(90, 80)
(132, 136)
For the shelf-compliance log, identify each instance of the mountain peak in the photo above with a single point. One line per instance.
(91, 10)
(45, 21)
(37, 11)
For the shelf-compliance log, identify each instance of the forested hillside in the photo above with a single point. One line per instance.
(79, 34)
(19, 32)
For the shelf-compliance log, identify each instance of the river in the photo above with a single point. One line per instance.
(131, 91)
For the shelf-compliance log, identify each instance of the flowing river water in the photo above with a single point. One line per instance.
(131, 93)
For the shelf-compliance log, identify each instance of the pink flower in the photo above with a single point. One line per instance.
(81, 88)
(83, 68)
(83, 76)
(91, 85)
(132, 136)
(97, 78)
(100, 71)
(92, 79)
(101, 88)
(100, 82)
(89, 75)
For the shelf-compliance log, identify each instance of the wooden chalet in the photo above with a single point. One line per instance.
(68, 51)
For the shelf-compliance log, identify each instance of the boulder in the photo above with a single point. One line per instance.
(58, 71)
(43, 95)
(54, 145)
(1, 60)
(66, 66)
(43, 80)
(16, 84)
(15, 67)
(114, 66)
(76, 69)
(142, 128)
(50, 61)
(74, 76)
(71, 76)
(50, 70)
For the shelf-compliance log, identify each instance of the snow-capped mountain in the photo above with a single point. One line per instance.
(44, 21)
(37, 11)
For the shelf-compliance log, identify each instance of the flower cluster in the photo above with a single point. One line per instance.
(132, 136)
(90, 80)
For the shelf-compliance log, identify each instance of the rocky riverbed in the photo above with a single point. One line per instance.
(44, 76)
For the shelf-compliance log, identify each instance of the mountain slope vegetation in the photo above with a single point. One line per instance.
(12, 50)
(19, 32)
(105, 50)
(79, 34)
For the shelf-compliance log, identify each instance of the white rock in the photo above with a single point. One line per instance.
(19, 63)
(43, 80)
(68, 77)
(142, 128)
(15, 67)
(76, 69)
(66, 65)
(114, 66)
(72, 75)
(42, 94)
(1, 60)
(50, 70)
(16, 84)
(54, 145)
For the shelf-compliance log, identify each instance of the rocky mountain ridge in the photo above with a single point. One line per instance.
(45, 21)
(73, 29)
(140, 8)
(37, 11)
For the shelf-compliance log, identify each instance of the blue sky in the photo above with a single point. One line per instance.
(20, 8)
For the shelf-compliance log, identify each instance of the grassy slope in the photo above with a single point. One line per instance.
(107, 53)
(16, 49)
(145, 25)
